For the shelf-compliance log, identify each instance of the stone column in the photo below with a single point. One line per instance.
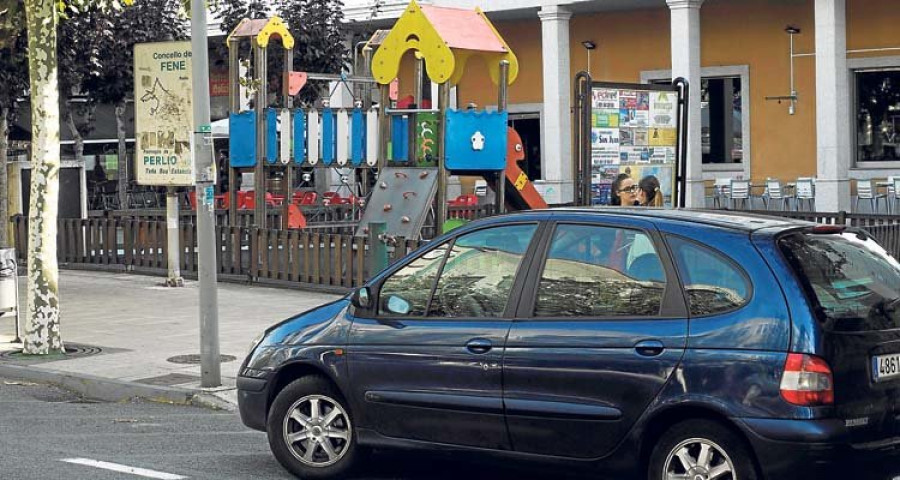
(556, 134)
(832, 107)
(685, 18)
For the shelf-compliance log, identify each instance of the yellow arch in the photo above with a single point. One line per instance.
(413, 31)
(275, 26)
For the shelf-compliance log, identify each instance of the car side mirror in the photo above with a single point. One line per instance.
(397, 305)
(362, 298)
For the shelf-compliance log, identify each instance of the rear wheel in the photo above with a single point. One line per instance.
(310, 430)
(701, 450)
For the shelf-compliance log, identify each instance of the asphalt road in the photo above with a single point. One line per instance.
(46, 433)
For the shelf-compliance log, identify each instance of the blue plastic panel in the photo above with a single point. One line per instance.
(358, 137)
(242, 139)
(271, 135)
(461, 127)
(329, 134)
(400, 138)
(299, 136)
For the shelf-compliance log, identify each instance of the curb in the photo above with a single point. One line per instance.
(111, 390)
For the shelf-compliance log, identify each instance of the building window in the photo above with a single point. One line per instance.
(878, 116)
(722, 126)
(722, 121)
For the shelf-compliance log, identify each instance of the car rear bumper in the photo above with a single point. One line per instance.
(818, 449)
(252, 397)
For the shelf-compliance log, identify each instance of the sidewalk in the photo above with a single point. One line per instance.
(139, 326)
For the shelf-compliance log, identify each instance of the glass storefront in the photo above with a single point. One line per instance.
(878, 116)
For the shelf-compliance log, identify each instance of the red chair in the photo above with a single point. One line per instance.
(469, 200)
(246, 200)
(273, 200)
(306, 198)
(331, 198)
(223, 201)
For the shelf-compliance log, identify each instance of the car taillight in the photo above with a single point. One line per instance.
(807, 381)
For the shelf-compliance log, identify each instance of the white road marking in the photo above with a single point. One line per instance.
(143, 472)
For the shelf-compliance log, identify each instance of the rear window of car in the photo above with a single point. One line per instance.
(853, 282)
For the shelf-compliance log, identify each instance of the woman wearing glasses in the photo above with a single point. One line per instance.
(624, 191)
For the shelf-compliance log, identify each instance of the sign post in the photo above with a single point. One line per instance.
(164, 121)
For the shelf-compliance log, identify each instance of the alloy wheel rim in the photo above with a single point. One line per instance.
(317, 430)
(698, 459)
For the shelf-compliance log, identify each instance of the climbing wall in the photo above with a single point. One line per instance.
(401, 198)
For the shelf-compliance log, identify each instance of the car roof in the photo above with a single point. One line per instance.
(736, 221)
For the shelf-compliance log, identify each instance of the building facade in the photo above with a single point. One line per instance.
(829, 111)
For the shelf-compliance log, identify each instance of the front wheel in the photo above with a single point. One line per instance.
(701, 450)
(310, 431)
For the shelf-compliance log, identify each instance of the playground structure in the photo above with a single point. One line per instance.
(412, 146)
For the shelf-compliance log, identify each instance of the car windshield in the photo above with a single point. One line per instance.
(853, 280)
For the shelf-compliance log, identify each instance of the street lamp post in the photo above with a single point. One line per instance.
(205, 172)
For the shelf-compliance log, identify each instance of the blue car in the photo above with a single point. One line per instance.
(640, 343)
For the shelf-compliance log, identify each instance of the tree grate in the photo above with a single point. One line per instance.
(73, 350)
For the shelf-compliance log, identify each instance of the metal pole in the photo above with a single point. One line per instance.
(792, 108)
(441, 197)
(414, 117)
(581, 130)
(385, 127)
(259, 177)
(503, 96)
(19, 331)
(174, 278)
(234, 96)
(379, 258)
(205, 171)
(288, 187)
(589, 61)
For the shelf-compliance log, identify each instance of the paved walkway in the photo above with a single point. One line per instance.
(140, 325)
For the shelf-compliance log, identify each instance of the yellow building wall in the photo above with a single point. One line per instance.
(524, 38)
(734, 33)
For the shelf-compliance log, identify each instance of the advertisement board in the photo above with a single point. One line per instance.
(633, 134)
(163, 115)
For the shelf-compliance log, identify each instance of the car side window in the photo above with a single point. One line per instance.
(479, 273)
(597, 271)
(713, 283)
(407, 291)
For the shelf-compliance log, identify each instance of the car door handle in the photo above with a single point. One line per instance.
(649, 348)
(479, 345)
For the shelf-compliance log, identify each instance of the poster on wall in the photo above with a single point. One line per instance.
(634, 133)
(163, 115)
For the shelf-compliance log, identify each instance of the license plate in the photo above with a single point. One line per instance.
(886, 367)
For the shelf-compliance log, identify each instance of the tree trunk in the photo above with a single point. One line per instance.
(123, 164)
(76, 136)
(42, 334)
(4, 195)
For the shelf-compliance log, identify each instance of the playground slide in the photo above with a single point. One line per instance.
(520, 192)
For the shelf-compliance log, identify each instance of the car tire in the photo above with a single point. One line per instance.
(310, 430)
(680, 451)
